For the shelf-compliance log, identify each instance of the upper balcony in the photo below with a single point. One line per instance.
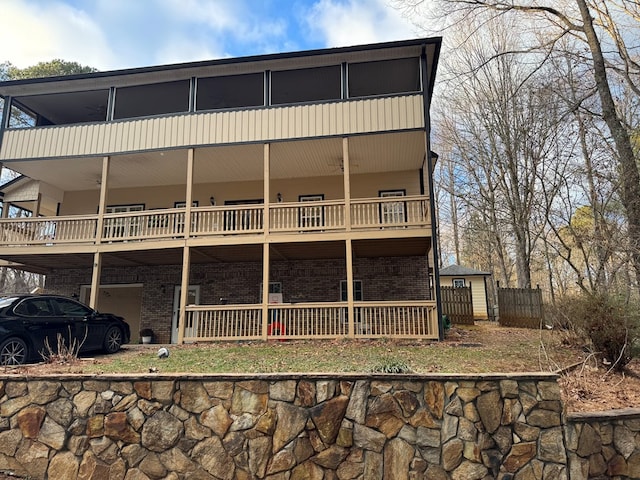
(409, 213)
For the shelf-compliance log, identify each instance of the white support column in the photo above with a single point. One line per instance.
(267, 188)
(350, 307)
(189, 194)
(265, 248)
(102, 205)
(347, 183)
(186, 251)
(95, 279)
(265, 290)
(184, 293)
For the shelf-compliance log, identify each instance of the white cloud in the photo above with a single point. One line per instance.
(354, 22)
(33, 32)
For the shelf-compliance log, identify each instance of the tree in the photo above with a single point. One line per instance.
(499, 126)
(598, 26)
(52, 68)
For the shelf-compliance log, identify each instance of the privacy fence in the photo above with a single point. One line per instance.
(520, 307)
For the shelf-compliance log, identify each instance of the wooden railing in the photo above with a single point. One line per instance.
(411, 319)
(227, 220)
(390, 212)
(166, 223)
(284, 218)
(307, 216)
(223, 322)
(47, 230)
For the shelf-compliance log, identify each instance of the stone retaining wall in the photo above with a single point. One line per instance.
(287, 427)
(604, 444)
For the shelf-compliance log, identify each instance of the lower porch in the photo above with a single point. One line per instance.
(410, 319)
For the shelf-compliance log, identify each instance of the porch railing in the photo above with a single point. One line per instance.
(237, 219)
(46, 230)
(307, 216)
(412, 319)
(166, 223)
(285, 218)
(389, 212)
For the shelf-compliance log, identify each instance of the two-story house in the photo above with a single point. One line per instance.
(286, 195)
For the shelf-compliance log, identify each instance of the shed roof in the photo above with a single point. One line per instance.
(460, 271)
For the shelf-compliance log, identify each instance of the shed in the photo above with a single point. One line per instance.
(459, 276)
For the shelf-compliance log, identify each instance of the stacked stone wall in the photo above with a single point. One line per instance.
(604, 444)
(283, 427)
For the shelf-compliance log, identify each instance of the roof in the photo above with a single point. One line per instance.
(92, 79)
(13, 182)
(460, 271)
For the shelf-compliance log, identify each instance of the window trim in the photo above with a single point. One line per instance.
(403, 193)
(343, 288)
(303, 221)
(455, 280)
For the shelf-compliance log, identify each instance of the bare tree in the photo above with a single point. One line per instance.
(499, 115)
(605, 29)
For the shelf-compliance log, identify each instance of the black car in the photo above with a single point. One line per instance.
(27, 321)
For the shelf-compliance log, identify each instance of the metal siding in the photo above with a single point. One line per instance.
(250, 125)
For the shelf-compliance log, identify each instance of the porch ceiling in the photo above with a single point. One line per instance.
(390, 247)
(233, 163)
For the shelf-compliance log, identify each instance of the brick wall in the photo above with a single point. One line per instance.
(389, 278)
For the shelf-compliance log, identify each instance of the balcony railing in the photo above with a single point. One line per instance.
(411, 319)
(284, 218)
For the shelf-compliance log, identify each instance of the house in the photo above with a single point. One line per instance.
(459, 276)
(285, 195)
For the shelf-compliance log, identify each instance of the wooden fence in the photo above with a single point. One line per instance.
(457, 304)
(520, 307)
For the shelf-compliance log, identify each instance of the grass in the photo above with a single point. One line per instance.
(478, 349)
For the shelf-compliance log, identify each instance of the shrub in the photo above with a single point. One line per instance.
(65, 352)
(609, 321)
(392, 366)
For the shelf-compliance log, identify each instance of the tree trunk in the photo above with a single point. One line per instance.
(630, 177)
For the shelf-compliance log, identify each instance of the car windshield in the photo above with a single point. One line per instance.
(6, 301)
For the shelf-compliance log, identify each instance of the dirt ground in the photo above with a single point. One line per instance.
(587, 385)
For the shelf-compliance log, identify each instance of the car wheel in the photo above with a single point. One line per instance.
(113, 340)
(13, 351)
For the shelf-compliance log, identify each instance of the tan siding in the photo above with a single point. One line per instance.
(298, 121)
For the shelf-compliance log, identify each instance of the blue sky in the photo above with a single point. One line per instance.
(113, 34)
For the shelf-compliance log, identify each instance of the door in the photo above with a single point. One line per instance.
(122, 300)
(311, 216)
(85, 329)
(44, 325)
(392, 212)
(179, 221)
(123, 227)
(243, 219)
(193, 298)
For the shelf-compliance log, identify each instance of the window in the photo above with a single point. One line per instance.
(311, 216)
(392, 211)
(384, 77)
(232, 91)
(275, 288)
(357, 290)
(459, 283)
(153, 99)
(34, 307)
(69, 308)
(306, 85)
